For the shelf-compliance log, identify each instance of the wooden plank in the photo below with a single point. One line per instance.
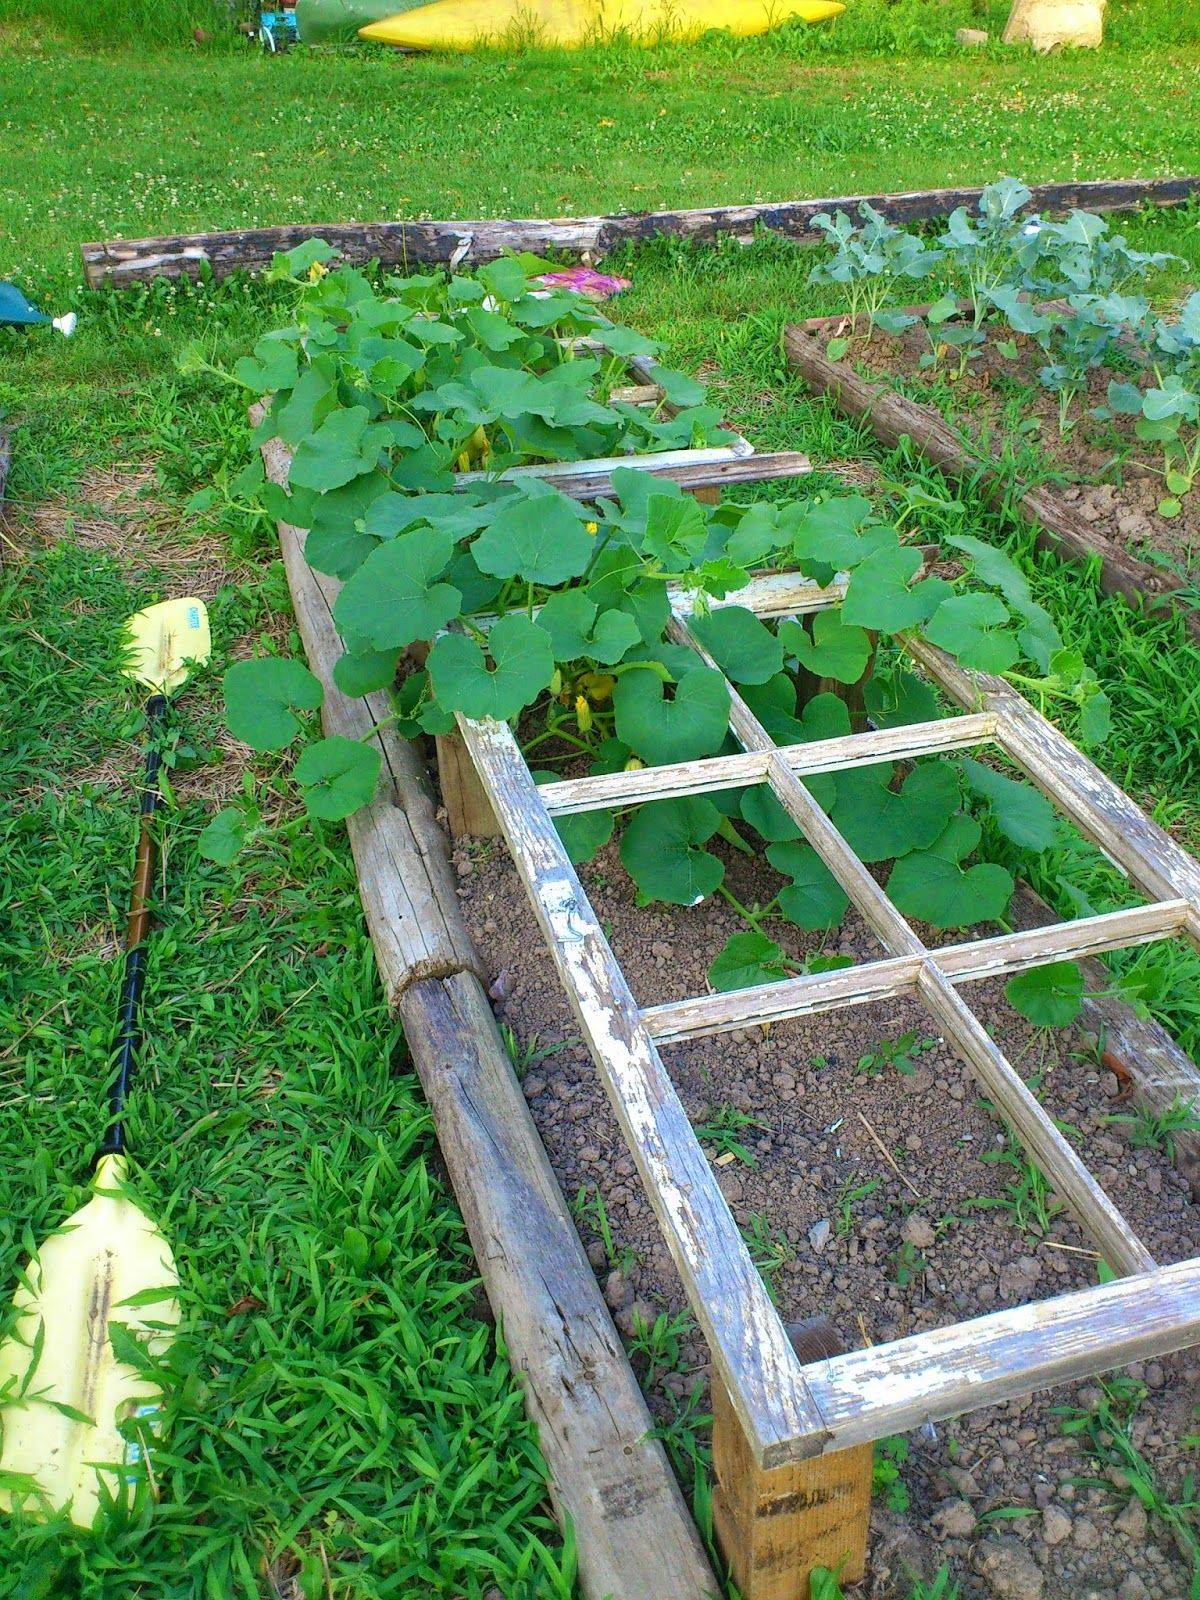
(673, 779)
(809, 992)
(888, 979)
(890, 1388)
(468, 809)
(609, 1478)
(893, 416)
(775, 1525)
(999, 1079)
(749, 1347)
(768, 594)
(417, 244)
(601, 468)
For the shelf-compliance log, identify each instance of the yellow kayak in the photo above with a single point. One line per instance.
(468, 24)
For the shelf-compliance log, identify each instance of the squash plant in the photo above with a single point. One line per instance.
(531, 607)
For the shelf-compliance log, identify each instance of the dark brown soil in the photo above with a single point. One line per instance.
(885, 1247)
(1109, 476)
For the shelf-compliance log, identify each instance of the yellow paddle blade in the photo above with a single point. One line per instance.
(75, 1419)
(162, 640)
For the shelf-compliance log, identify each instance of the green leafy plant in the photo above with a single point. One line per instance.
(660, 1343)
(770, 1250)
(900, 1053)
(1156, 1130)
(1026, 1198)
(724, 1127)
(887, 1480)
(848, 1197)
(1105, 1431)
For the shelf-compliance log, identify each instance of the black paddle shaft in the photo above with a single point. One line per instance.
(128, 1027)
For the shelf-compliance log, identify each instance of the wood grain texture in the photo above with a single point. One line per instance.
(749, 1347)
(468, 809)
(418, 244)
(894, 416)
(890, 1388)
(608, 1477)
(635, 1538)
(775, 1525)
(888, 979)
(721, 772)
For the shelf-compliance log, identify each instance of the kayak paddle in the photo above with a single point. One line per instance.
(70, 1404)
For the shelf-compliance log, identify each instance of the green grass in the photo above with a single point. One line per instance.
(355, 1410)
(334, 1397)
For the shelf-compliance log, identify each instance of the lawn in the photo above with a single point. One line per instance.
(344, 1421)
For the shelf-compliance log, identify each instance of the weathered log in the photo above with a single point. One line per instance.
(894, 416)
(635, 1538)
(608, 1477)
(400, 855)
(415, 244)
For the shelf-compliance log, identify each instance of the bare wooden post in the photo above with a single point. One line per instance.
(468, 809)
(775, 1525)
(708, 494)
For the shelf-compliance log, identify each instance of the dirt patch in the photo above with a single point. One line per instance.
(1109, 477)
(873, 1186)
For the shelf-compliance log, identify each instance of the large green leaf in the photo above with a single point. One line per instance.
(346, 444)
(1022, 814)
(976, 629)
(393, 600)
(522, 666)
(579, 629)
(337, 776)
(1049, 996)
(766, 815)
(662, 850)
(747, 959)
(691, 725)
(880, 823)
(835, 649)
(676, 528)
(814, 898)
(881, 593)
(932, 886)
(538, 535)
(262, 697)
(362, 672)
(742, 646)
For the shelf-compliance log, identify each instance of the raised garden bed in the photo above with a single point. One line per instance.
(629, 648)
(1081, 410)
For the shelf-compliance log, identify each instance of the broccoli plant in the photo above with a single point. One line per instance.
(869, 260)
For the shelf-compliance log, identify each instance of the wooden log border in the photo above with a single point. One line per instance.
(893, 416)
(417, 244)
(609, 1477)
(787, 1412)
